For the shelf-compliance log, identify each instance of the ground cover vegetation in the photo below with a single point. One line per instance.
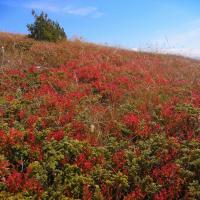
(82, 121)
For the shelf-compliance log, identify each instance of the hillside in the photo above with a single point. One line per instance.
(82, 121)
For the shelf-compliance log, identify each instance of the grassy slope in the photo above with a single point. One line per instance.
(130, 119)
(21, 51)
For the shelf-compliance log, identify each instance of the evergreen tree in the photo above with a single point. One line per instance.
(44, 28)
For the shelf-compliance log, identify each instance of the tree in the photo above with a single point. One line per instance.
(44, 28)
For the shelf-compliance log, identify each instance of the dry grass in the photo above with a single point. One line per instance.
(23, 51)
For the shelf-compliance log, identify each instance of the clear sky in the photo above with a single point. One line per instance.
(164, 25)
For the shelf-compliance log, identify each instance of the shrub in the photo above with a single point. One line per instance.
(44, 28)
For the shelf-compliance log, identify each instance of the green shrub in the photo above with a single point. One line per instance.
(44, 28)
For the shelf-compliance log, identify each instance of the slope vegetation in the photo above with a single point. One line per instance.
(82, 121)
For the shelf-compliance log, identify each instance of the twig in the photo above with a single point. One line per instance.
(22, 164)
(3, 54)
(76, 79)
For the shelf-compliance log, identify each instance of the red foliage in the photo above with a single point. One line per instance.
(14, 137)
(166, 172)
(4, 168)
(21, 114)
(131, 120)
(87, 74)
(136, 195)
(119, 160)
(3, 138)
(162, 195)
(14, 181)
(83, 162)
(56, 135)
(18, 181)
(87, 194)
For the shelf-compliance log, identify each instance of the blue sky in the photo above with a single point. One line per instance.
(164, 25)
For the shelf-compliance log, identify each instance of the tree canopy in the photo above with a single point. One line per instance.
(44, 28)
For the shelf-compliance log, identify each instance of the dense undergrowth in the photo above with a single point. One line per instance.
(79, 121)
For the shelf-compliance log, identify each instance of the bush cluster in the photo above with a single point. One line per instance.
(44, 28)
